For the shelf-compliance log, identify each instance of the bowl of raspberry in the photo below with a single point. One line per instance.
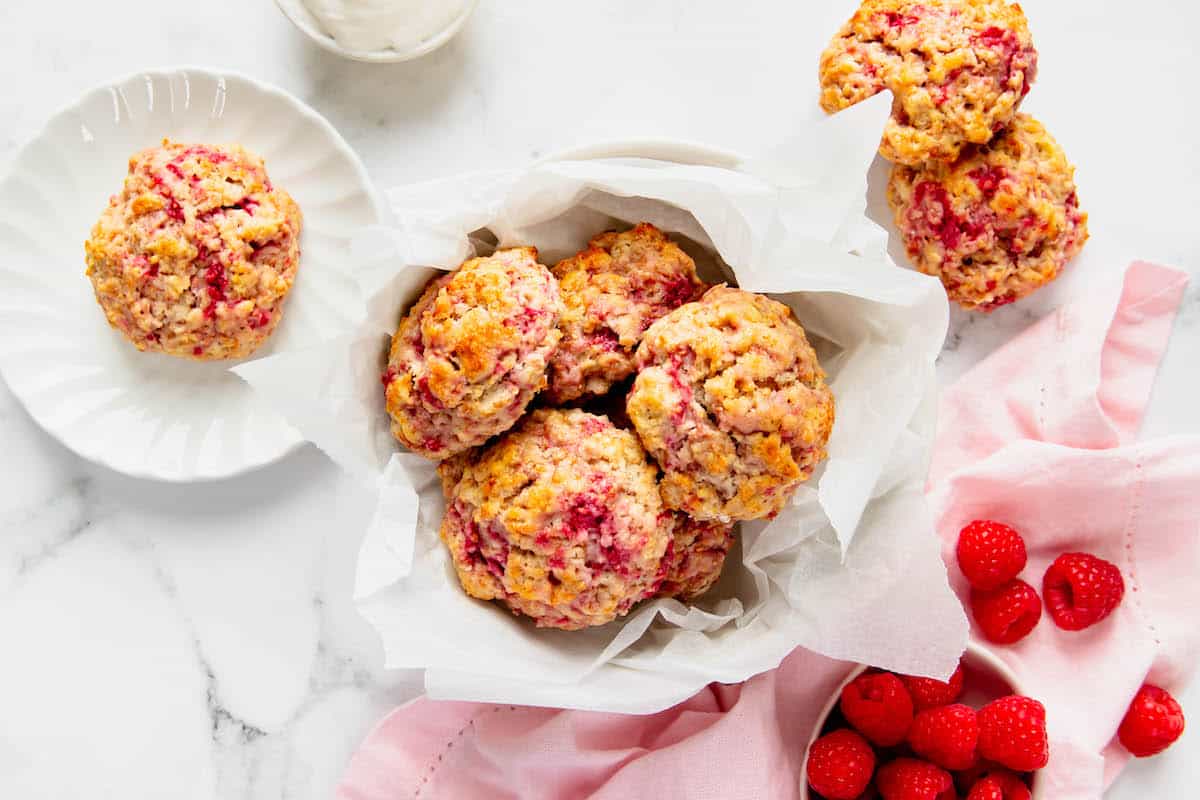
(899, 737)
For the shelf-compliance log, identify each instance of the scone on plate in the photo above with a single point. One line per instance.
(613, 291)
(998, 223)
(731, 402)
(958, 70)
(471, 354)
(560, 519)
(196, 253)
(696, 556)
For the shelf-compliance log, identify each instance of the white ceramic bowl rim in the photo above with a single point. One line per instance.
(303, 20)
(680, 151)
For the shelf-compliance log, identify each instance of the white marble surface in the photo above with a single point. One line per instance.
(198, 641)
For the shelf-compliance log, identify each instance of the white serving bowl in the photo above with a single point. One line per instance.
(303, 19)
(403, 568)
(977, 659)
(147, 414)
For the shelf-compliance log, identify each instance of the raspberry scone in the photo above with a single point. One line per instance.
(560, 519)
(694, 561)
(450, 471)
(195, 255)
(957, 69)
(471, 354)
(613, 291)
(998, 223)
(731, 401)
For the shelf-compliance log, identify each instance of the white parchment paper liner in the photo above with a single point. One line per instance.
(851, 570)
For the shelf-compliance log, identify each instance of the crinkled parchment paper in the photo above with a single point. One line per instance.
(851, 569)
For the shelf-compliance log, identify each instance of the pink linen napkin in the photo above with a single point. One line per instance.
(1038, 435)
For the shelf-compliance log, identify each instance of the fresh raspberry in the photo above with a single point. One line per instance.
(840, 765)
(912, 779)
(990, 554)
(999, 785)
(1081, 590)
(1007, 614)
(1152, 724)
(946, 735)
(1012, 732)
(930, 693)
(878, 706)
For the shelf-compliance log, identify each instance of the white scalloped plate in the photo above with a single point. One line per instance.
(145, 414)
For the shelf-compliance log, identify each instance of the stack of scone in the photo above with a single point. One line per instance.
(601, 426)
(983, 196)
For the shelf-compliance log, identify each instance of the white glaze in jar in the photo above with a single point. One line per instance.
(404, 25)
